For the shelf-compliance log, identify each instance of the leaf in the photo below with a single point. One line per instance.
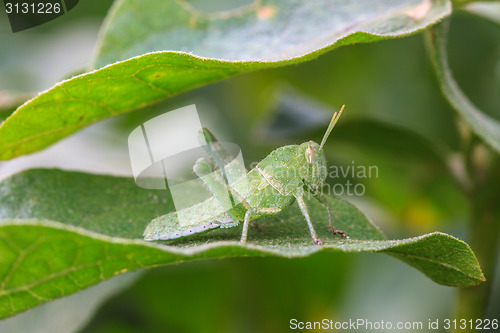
(268, 31)
(142, 80)
(101, 219)
(72, 312)
(483, 125)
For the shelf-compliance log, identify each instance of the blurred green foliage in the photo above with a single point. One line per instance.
(396, 119)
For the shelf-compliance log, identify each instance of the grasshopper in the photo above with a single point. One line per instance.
(276, 182)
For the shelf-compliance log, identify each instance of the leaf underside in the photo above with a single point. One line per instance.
(257, 37)
(100, 220)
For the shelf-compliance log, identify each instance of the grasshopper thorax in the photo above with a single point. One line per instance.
(312, 165)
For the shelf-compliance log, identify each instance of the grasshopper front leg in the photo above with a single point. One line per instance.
(305, 212)
(254, 212)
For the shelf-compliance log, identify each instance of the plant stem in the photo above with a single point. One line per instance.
(484, 227)
(483, 237)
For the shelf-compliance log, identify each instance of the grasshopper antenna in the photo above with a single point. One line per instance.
(334, 120)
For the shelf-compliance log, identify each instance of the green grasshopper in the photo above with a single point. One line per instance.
(276, 182)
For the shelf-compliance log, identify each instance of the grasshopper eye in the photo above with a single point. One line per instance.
(309, 155)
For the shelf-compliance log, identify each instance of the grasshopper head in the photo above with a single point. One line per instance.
(312, 162)
(312, 165)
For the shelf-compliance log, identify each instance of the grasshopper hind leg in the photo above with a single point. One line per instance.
(337, 232)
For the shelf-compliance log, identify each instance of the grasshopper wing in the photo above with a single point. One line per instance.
(188, 221)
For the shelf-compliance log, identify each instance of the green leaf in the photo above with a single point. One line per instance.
(239, 37)
(486, 127)
(269, 30)
(77, 309)
(100, 220)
